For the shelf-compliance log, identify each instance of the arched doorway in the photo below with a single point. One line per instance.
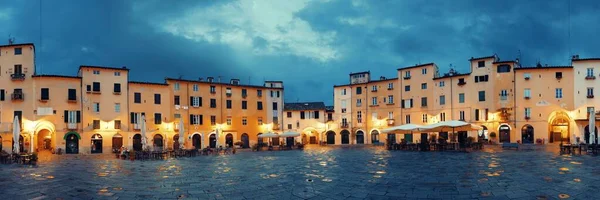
(137, 142)
(245, 140)
(289, 141)
(261, 141)
(483, 133)
(176, 142)
(345, 137)
(229, 140)
(72, 142)
(212, 140)
(304, 139)
(559, 128)
(44, 140)
(117, 142)
(96, 144)
(504, 131)
(527, 134)
(197, 141)
(330, 137)
(391, 138)
(360, 137)
(375, 136)
(158, 142)
(587, 134)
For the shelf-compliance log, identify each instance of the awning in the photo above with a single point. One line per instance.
(72, 132)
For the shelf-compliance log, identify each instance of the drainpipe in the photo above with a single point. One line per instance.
(515, 100)
(367, 113)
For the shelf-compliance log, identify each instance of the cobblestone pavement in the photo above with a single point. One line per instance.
(315, 173)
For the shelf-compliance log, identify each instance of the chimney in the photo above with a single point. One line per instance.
(234, 81)
(575, 57)
(210, 79)
(124, 67)
(382, 78)
(200, 79)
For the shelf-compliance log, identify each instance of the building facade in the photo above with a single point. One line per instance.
(310, 120)
(100, 109)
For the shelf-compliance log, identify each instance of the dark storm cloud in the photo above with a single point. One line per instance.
(379, 36)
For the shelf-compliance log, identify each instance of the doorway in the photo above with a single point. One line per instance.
(213, 141)
(117, 142)
(375, 137)
(345, 137)
(158, 142)
(245, 140)
(197, 141)
(229, 140)
(360, 137)
(176, 142)
(137, 142)
(330, 137)
(504, 133)
(72, 143)
(527, 134)
(96, 144)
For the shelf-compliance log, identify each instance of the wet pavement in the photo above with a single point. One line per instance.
(314, 173)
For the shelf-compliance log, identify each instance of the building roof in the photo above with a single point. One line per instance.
(541, 67)
(585, 59)
(104, 67)
(14, 45)
(452, 75)
(220, 83)
(304, 106)
(504, 61)
(417, 65)
(55, 76)
(273, 81)
(148, 83)
(371, 81)
(481, 58)
(365, 72)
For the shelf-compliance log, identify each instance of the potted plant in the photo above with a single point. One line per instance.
(255, 147)
(493, 137)
(539, 141)
(238, 144)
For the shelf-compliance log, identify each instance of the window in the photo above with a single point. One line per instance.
(213, 120)
(527, 113)
(590, 72)
(390, 86)
(423, 101)
(45, 94)
(195, 87)
(329, 116)
(196, 101)
(96, 72)
(461, 98)
(271, 93)
(503, 95)
(117, 107)
(135, 119)
(407, 88)
(213, 89)
(278, 92)
(485, 114)
(177, 116)
(424, 71)
(483, 78)
(423, 86)
(244, 105)
(229, 121)
(302, 116)
(461, 81)
(358, 90)
(274, 105)
(407, 103)
(88, 88)
(476, 114)
(176, 86)
(424, 118)
(18, 69)
(2, 96)
(244, 93)
(96, 107)
(442, 117)
(559, 93)
(289, 126)
(96, 87)
(359, 116)
(481, 64)
(196, 120)
(407, 74)
(344, 91)
(157, 118)
(289, 114)
(228, 104)
(374, 101)
(72, 116)
(117, 88)
(390, 115)
(117, 73)
(260, 121)
(259, 93)
(443, 100)
(407, 119)
(96, 124)
(590, 92)
(259, 105)
(390, 99)
(442, 83)
(156, 98)
(228, 91)
(358, 102)
(374, 88)
(213, 103)
(481, 96)
(461, 115)
(18, 51)
(137, 97)
(176, 100)
(527, 93)
(244, 121)
(297, 124)
(117, 124)
(527, 76)
(316, 114)
(503, 69)
(558, 75)
(72, 96)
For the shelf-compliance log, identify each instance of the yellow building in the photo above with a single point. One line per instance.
(310, 120)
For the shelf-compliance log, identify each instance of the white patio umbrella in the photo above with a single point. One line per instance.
(592, 127)
(181, 133)
(268, 135)
(289, 134)
(453, 125)
(405, 128)
(143, 132)
(16, 134)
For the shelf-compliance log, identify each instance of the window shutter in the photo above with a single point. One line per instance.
(301, 114)
(78, 116)
(200, 101)
(66, 116)
(191, 119)
(191, 101)
(411, 103)
(317, 114)
(486, 78)
(1, 95)
(402, 103)
(200, 120)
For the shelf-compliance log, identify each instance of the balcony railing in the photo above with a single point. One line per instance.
(136, 126)
(527, 97)
(590, 77)
(72, 126)
(344, 125)
(406, 77)
(17, 96)
(391, 121)
(527, 117)
(590, 96)
(462, 83)
(17, 76)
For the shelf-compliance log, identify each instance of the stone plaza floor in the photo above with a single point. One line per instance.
(314, 173)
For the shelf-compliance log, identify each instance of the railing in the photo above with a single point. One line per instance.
(462, 83)
(17, 76)
(590, 77)
(72, 126)
(406, 77)
(590, 96)
(344, 125)
(17, 96)
(136, 127)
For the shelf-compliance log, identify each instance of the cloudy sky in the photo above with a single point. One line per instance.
(309, 44)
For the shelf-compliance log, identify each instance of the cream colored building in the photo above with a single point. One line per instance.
(310, 120)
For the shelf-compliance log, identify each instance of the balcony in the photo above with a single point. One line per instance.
(136, 126)
(391, 121)
(374, 90)
(117, 93)
(527, 97)
(244, 95)
(72, 126)
(17, 76)
(527, 78)
(390, 88)
(71, 100)
(213, 92)
(344, 125)
(406, 77)
(228, 94)
(590, 77)
(590, 96)
(17, 96)
(462, 83)
(329, 119)
(527, 117)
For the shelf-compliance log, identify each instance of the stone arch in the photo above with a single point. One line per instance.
(559, 127)
(375, 133)
(330, 137)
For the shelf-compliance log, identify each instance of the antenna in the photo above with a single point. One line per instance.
(11, 40)
(569, 28)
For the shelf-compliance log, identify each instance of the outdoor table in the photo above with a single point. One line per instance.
(575, 147)
(5, 158)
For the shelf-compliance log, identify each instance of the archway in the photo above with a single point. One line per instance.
(44, 140)
(96, 143)
(559, 127)
(330, 137)
(527, 135)
(229, 140)
(176, 142)
(117, 142)
(197, 141)
(504, 131)
(137, 142)
(72, 142)
(587, 134)
(483, 133)
(304, 139)
(289, 141)
(312, 135)
(158, 142)
(245, 140)
(375, 136)
(261, 141)
(360, 137)
(213, 140)
(345, 136)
